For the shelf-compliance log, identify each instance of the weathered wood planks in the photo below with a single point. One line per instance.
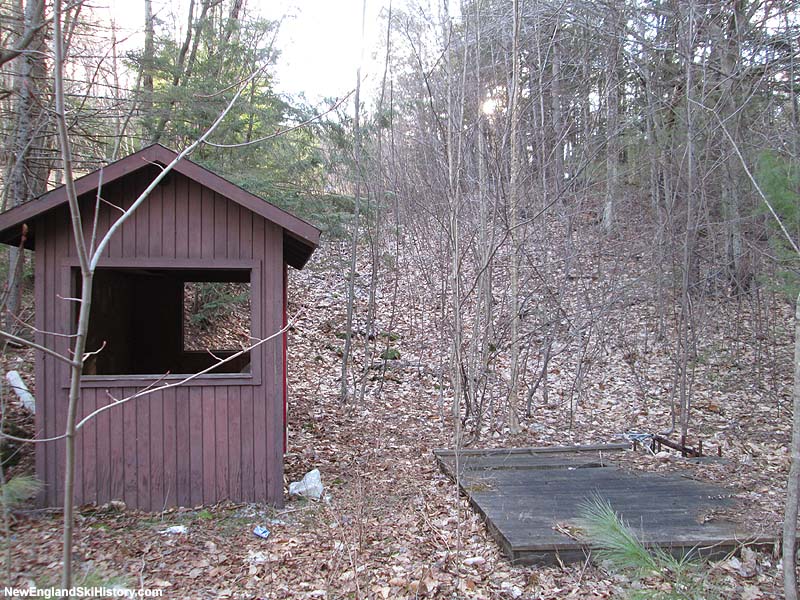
(524, 494)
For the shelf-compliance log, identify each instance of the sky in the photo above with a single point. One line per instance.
(320, 40)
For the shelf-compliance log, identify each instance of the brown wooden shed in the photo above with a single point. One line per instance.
(220, 436)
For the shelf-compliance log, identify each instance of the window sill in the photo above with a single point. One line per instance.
(142, 381)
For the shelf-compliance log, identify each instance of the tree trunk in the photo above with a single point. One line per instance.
(514, 191)
(556, 117)
(348, 340)
(793, 485)
(729, 34)
(148, 64)
(612, 121)
(26, 180)
(688, 281)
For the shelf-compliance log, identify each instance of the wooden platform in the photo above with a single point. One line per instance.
(527, 494)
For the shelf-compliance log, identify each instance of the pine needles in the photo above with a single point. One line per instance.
(656, 574)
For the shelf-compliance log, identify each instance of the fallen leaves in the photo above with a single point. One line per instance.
(394, 526)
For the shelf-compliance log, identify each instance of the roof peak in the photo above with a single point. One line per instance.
(304, 235)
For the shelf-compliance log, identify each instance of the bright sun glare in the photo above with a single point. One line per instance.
(489, 106)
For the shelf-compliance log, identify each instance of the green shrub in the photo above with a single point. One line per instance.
(779, 179)
(19, 490)
(390, 354)
(655, 574)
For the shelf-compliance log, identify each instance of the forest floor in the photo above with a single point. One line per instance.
(391, 525)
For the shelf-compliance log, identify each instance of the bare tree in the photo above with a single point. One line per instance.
(26, 173)
(148, 59)
(793, 485)
(614, 18)
(357, 158)
(89, 255)
(516, 235)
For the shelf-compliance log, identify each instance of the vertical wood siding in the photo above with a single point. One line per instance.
(183, 446)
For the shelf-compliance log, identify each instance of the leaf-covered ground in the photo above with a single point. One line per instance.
(392, 526)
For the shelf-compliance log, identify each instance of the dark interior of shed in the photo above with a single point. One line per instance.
(140, 319)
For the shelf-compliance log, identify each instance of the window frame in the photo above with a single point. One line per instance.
(253, 378)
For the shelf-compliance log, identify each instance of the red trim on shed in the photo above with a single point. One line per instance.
(285, 372)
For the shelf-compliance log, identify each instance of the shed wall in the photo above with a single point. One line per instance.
(202, 442)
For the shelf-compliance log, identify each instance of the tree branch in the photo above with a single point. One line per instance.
(19, 340)
(28, 34)
(284, 131)
(164, 172)
(151, 390)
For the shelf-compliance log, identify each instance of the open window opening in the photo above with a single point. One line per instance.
(177, 321)
(216, 316)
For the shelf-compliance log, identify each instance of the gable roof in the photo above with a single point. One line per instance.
(300, 238)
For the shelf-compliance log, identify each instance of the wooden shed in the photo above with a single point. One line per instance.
(219, 436)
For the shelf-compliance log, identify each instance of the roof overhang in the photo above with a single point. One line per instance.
(300, 238)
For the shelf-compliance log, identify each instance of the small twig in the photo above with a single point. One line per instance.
(93, 352)
(293, 510)
(8, 436)
(23, 323)
(146, 388)
(14, 338)
(112, 205)
(150, 390)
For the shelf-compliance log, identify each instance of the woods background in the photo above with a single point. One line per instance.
(553, 211)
